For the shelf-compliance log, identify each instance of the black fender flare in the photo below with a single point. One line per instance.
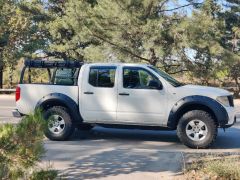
(193, 102)
(59, 99)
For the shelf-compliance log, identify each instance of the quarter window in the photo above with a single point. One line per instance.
(66, 76)
(102, 76)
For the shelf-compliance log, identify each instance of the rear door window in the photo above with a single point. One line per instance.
(102, 76)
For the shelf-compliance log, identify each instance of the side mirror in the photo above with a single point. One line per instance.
(153, 84)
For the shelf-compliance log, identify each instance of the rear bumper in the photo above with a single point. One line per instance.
(16, 113)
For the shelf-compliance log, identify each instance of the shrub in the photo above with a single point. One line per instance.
(44, 175)
(21, 146)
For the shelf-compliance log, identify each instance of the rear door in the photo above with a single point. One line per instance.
(99, 94)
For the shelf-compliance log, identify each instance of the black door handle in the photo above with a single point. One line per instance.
(123, 94)
(88, 93)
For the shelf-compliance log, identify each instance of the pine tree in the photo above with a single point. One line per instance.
(18, 34)
(231, 15)
(130, 31)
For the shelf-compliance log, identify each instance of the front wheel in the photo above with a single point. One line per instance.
(197, 129)
(60, 126)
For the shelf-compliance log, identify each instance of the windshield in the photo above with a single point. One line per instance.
(167, 77)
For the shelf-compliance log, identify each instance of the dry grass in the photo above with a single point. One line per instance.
(219, 168)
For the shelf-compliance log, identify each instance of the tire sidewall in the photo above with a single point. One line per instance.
(67, 131)
(202, 116)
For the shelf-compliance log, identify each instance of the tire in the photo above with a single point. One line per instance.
(59, 126)
(85, 127)
(197, 129)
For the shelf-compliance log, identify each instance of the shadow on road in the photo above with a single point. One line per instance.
(228, 140)
(118, 162)
(126, 134)
(110, 152)
(225, 140)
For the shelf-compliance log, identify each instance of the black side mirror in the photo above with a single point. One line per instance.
(154, 84)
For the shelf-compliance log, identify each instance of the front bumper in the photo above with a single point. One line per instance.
(232, 117)
(230, 125)
(16, 113)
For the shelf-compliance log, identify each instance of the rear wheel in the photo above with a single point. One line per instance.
(60, 126)
(197, 129)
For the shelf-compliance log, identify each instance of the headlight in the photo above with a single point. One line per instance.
(223, 100)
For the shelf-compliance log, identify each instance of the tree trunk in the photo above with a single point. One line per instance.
(154, 59)
(237, 91)
(1, 77)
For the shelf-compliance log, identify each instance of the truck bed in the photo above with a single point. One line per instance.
(32, 93)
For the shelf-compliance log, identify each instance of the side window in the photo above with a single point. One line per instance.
(138, 78)
(36, 76)
(65, 76)
(102, 76)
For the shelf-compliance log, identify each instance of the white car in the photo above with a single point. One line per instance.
(72, 94)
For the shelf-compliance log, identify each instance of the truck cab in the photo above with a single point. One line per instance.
(121, 95)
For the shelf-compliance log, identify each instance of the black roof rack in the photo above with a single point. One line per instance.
(52, 64)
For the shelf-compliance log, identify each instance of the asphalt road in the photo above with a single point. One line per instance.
(117, 154)
(7, 104)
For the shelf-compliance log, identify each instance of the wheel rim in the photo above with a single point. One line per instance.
(56, 124)
(196, 130)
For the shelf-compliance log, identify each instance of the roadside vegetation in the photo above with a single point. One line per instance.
(214, 168)
(21, 148)
(196, 41)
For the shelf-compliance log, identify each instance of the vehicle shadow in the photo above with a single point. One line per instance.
(225, 140)
(228, 139)
(102, 152)
(125, 134)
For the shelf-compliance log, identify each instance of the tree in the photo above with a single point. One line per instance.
(130, 31)
(3, 37)
(206, 30)
(133, 31)
(19, 36)
(235, 74)
(231, 40)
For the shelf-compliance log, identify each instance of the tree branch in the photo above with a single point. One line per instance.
(122, 48)
(183, 70)
(179, 7)
(162, 4)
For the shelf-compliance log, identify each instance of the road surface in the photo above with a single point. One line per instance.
(121, 154)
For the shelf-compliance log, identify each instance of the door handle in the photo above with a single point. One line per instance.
(123, 94)
(88, 92)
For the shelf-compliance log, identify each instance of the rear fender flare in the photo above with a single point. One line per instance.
(58, 99)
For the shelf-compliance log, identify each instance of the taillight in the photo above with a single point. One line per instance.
(18, 93)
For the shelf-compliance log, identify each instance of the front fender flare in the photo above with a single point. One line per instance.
(216, 108)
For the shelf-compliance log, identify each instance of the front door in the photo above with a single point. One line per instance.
(99, 94)
(138, 103)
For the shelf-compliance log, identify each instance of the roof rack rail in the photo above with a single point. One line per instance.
(51, 64)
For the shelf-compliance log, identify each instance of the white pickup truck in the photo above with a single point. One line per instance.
(72, 94)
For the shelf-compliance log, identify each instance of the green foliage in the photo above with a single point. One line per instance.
(44, 175)
(131, 31)
(204, 42)
(21, 146)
